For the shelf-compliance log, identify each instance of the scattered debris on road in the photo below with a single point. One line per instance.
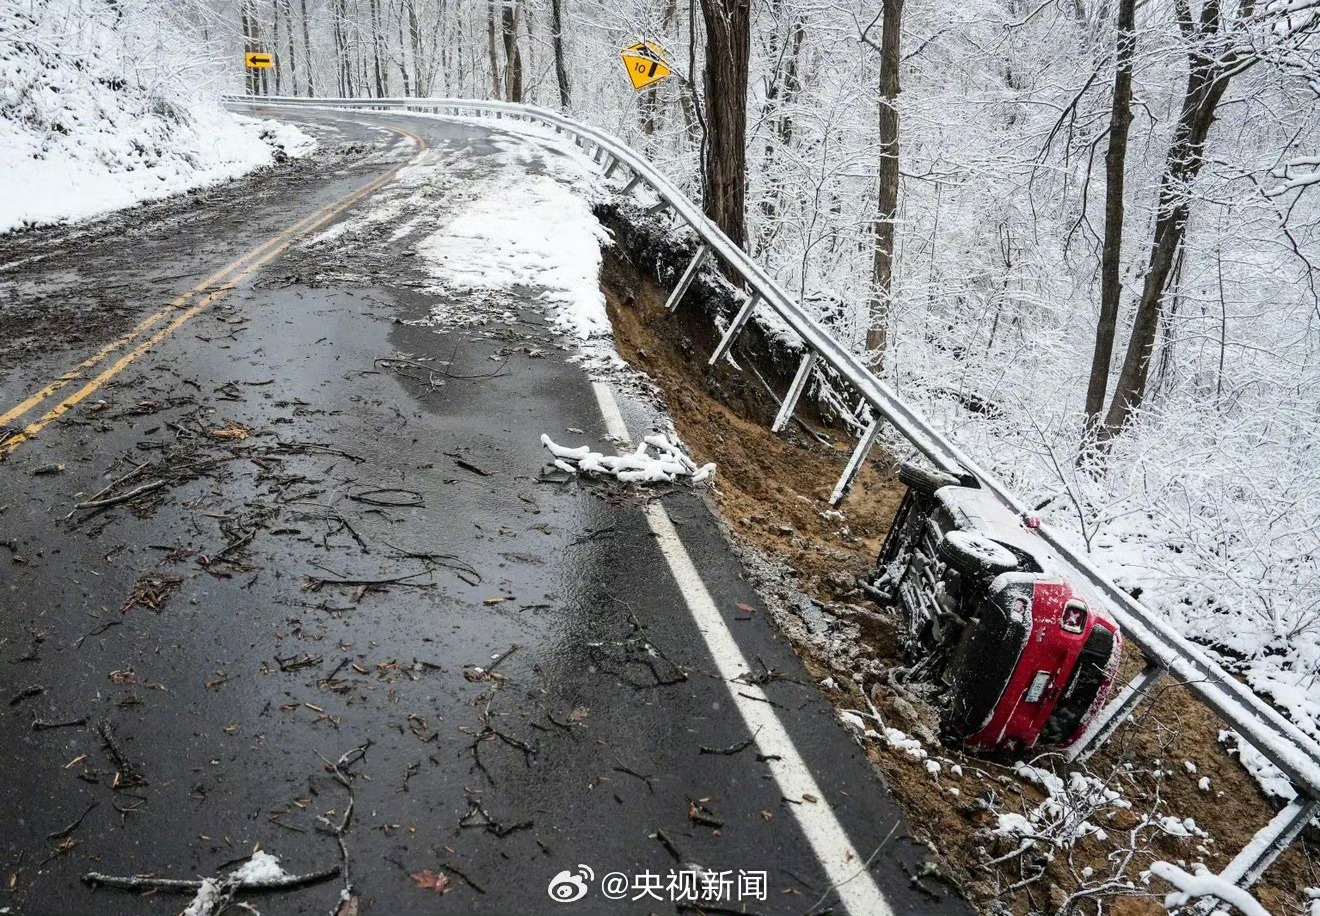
(668, 465)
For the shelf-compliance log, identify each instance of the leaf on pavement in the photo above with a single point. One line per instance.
(232, 433)
(430, 881)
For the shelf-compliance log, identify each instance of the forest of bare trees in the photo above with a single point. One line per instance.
(1081, 235)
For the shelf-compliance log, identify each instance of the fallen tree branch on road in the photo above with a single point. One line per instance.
(184, 885)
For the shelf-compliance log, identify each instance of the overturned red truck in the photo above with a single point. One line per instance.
(1022, 656)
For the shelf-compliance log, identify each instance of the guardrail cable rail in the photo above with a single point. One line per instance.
(1167, 653)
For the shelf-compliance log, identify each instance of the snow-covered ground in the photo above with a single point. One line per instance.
(105, 105)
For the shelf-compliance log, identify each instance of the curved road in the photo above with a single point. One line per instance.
(341, 575)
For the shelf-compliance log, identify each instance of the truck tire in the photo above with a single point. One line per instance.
(975, 555)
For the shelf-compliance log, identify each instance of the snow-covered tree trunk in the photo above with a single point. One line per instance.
(882, 263)
(1120, 120)
(728, 55)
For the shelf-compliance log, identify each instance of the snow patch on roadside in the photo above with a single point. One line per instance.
(86, 127)
(261, 868)
(533, 232)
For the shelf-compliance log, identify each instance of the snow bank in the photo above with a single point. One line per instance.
(528, 231)
(667, 465)
(105, 104)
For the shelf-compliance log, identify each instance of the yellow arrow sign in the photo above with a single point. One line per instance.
(646, 65)
(260, 61)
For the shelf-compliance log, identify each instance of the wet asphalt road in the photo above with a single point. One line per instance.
(511, 679)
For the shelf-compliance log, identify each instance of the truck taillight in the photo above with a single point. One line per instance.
(1074, 617)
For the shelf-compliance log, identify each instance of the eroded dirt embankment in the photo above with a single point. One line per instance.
(1164, 788)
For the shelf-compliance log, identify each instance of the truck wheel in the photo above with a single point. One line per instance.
(975, 555)
(924, 480)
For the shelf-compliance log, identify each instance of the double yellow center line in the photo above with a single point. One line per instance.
(186, 307)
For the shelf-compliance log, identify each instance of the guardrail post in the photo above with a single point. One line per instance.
(1271, 840)
(1116, 712)
(735, 328)
(609, 170)
(632, 183)
(688, 276)
(795, 391)
(855, 462)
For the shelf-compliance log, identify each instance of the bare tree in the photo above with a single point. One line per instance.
(510, 17)
(307, 50)
(728, 53)
(1218, 48)
(289, 59)
(557, 40)
(1120, 120)
(886, 211)
(377, 39)
(496, 91)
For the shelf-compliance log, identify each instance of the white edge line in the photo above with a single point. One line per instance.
(845, 868)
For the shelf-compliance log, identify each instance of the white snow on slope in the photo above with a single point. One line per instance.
(104, 105)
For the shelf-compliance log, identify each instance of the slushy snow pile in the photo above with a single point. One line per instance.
(528, 231)
(262, 868)
(103, 104)
(667, 465)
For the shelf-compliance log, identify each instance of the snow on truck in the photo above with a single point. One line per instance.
(1021, 655)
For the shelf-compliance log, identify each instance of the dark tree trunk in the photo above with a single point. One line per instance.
(415, 32)
(1207, 79)
(288, 54)
(403, 53)
(496, 91)
(513, 71)
(728, 52)
(886, 208)
(1120, 120)
(275, 45)
(377, 36)
(249, 80)
(557, 39)
(307, 51)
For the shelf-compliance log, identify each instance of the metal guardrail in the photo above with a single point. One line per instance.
(1167, 653)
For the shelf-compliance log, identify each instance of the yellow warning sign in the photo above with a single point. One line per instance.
(647, 65)
(260, 61)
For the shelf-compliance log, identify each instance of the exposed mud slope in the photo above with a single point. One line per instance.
(1098, 835)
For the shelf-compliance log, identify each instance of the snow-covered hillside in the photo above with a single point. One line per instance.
(105, 104)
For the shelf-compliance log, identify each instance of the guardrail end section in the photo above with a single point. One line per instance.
(855, 463)
(789, 404)
(1270, 841)
(686, 280)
